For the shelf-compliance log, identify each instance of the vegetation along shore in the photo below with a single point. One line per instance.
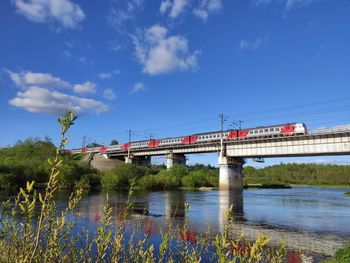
(27, 161)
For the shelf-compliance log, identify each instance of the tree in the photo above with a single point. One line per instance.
(93, 144)
(114, 142)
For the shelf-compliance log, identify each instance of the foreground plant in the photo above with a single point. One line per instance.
(42, 238)
(32, 229)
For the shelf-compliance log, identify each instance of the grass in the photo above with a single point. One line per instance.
(341, 256)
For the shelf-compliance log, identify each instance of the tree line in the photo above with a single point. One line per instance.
(27, 161)
(293, 173)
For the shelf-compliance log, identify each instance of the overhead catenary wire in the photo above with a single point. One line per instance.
(301, 112)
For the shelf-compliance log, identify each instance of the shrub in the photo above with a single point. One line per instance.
(73, 172)
(164, 180)
(341, 255)
(7, 181)
(121, 176)
(196, 179)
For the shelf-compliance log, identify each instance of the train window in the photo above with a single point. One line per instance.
(256, 131)
(207, 137)
(261, 131)
(277, 129)
(271, 129)
(266, 130)
(251, 132)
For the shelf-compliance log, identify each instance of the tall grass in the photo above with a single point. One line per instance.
(51, 235)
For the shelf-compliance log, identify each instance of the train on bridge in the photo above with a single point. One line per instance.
(289, 129)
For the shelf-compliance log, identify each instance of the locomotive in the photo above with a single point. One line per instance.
(275, 131)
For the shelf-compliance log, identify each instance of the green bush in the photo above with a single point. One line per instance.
(73, 172)
(293, 173)
(180, 176)
(7, 181)
(27, 161)
(341, 256)
(164, 180)
(121, 176)
(196, 179)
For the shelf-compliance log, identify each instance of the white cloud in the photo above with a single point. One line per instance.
(175, 7)
(253, 45)
(86, 87)
(109, 94)
(288, 4)
(159, 53)
(64, 12)
(28, 78)
(39, 94)
(206, 8)
(124, 12)
(138, 87)
(108, 75)
(41, 100)
(85, 60)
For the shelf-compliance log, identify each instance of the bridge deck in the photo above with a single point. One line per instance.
(302, 145)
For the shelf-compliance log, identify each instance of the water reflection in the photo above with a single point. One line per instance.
(175, 205)
(303, 212)
(226, 199)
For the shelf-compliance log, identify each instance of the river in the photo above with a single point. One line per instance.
(315, 220)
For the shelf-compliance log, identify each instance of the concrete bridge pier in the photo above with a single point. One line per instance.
(173, 159)
(139, 160)
(231, 173)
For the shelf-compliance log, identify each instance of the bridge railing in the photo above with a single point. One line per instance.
(337, 129)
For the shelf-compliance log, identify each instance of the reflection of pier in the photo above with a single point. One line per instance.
(174, 205)
(226, 199)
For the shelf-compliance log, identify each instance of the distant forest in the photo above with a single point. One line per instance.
(311, 174)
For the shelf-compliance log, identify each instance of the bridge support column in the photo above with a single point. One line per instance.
(139, 160)
(231, 173)
(128, 160)
(173, 159)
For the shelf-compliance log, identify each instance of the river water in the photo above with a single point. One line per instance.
(315, 220)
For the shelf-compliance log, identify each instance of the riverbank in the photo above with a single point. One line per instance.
(322, 186)
(328, 176)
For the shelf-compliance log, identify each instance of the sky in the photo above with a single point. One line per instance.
(170, 67)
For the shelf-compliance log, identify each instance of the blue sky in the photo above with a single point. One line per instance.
(170, 67)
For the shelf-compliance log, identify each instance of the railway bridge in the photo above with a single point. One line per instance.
(231, 154)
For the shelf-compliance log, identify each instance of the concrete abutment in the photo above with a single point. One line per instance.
(230, 173)
(139, 160)
(174, 159)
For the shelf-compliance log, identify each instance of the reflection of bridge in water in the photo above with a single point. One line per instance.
(171, 210)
